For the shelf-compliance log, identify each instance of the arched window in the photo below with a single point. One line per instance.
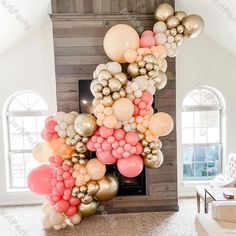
(25, 115)
(201, 134)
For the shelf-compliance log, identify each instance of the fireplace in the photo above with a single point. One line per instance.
(128, 186)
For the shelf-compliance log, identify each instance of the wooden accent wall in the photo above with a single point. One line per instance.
(79, 27)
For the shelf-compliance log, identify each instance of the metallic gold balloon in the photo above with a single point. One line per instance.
(106, 91)
(87, 209)
(153, 161)
(144, 143)
(149, 66)
(193, 25)
(97, 88)
(104, 82)
(180, 29)
(94, 82)
(98, 95)
(108, 188)
(143, 71)
(180, 14)
(82, 162)
(172, 22)
(150, 58)
(179, 39)
(153, 73)
(161, 80)
(156, 67)
(121, 77)
(93, 187)
(141, 64)
(107, 101)
(173, 31)
(104, 74)
(85, 124)
(122, 93)
(133, 69)
(116, 95)
(163, 11)
(159, 143)
(87, 199)
(114, 84)
(83, 189)
(147, 150)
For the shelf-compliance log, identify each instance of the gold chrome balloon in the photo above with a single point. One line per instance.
(173, 31)
(163, 11)
(104, 74)
(193, 25)
(122, 93)
(87, 199)
(87, 209)
(160, 80)
(153, 161)
(143, 71)
(85, 124)
(180, 29)
(104, 82)
(98, 95)
(108, 188)
(149, 66)
(93, 83)
(149, 58)
(180, 14)
(141, 64)
(106, 91)
(122, 78)
(107, 101)
(116, 95)
(114, 85)
(133, 69)
(93, 187)
(172, 22)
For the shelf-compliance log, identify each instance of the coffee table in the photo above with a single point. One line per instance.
(217, 194)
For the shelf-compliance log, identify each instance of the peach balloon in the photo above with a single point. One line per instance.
(161, 124)
(110, 121)
(130, 55)
(118, 39)
(41, 152)
(123, 109)
(95, 169)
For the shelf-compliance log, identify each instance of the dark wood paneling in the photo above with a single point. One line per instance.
(78, 43)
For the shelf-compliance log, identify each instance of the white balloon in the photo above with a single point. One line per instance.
(160, 27)
(128, 90)
(69, 118)
(62, 133)
(142, 82)
(63, 125)
(163, 65)
(127, 128)
(71, 131)
(59, 116)
(171, 39)
(173, 45)
(100, 68)
(138, 93)
(114, 67)
(167, 45)
(160, 39)
(95, 75)
(150, 82)
(134, 86)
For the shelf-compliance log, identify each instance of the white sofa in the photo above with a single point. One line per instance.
(221, 222)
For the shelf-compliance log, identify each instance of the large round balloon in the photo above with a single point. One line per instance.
(161, 124)
(85, 124)
(131, 166)
(163, 11)
(87, 209)
(193, 25)
(108, 188)
(118, 39)
(42, 151)
(39, 179)
(123, 109)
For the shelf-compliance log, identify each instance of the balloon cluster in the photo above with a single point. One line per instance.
(124, 129)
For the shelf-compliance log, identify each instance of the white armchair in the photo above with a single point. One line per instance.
(227, 181)
(221, 222)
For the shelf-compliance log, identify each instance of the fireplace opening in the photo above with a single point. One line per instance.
(128, 186)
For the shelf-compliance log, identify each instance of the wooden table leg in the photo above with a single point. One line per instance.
(198, 202)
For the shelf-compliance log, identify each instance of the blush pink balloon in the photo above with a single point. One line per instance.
(39, 179)
(132, 138)
(130, 55)
(62, 206)
(106, 146)
(50, 125)
(147, 41)
(130, 167)
(71, 211)
(119, 134)
(90, 146)
(116, 154)
(139, 148)
(147, 97)
(105, 132)
(148, 32)
(106, 157)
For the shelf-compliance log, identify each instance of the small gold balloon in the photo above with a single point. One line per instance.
(180, 14)
(85, 124)
(87, 199)
(163, 11)
(104, 82)
(93, 83)
(81, 155)
(68, 162)
(133, 69)
(144, 143)
(172, 22)
(104, 74)
(93, 187)
(180, 29)
(83, 189)
(150, 58)
(121, 77)
(87, 209)
(97, 88)
(116, 95)
(154, 152)
(106, 91)
(141, 64)
(82, 162)
(80, 195)
(153, 73)
(149, 66)
(153, 145)
(141, 136)
(159, 143)
(85, 139)
(74, 160)
(98, 95)
(75, 190)
(147, 150)
(122, 93)
(154, 161)
(173, 31)
(179, 39)
(193, 25)
(114, 84)
(161, 80)
(77, 137)
(108, 188)
(156, 67)
(107, 101)
(143, 71)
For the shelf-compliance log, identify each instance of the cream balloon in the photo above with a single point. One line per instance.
(95, 169)
(161, 124)
(118, 39)
(41, 152)
(114, 67)
(193, 25)
(123, 109)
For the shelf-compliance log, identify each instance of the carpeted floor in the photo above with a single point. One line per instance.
(25, 221)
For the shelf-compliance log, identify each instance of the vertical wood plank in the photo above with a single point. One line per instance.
(114, 6)
(122, 5)
(106, 6)
(132, 6)
(54, 6)
(88, 6)
(97, 6)
(79, 6)
(141, 6)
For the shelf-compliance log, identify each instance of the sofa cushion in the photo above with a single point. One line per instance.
(207, 226)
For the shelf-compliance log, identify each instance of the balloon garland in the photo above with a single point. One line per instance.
(123, 129)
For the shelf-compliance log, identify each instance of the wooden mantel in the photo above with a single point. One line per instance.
(78, 28)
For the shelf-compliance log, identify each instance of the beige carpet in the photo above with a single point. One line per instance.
(25, 221)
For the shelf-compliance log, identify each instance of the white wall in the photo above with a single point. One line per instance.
(27, 66)
(204, 62)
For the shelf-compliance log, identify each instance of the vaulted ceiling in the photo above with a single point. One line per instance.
(20, 18)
